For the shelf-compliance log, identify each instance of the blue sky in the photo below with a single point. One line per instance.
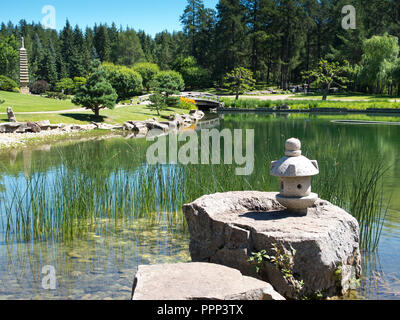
(150, 15)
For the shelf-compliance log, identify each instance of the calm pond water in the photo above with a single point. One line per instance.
(95, 210)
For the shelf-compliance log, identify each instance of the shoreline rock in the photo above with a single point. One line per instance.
(154, 127)
(16, 133)
(226, 228)
(195, 281)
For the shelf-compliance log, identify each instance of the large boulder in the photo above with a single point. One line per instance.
(194, 281)
(139, 127)
(34, 127)
(13, 127)
(197, 114)
(152, 124)
(226, 228)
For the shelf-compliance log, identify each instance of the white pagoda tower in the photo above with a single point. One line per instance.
(23, 69)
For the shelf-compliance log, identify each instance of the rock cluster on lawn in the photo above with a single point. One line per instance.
(176, 121)
(226, 228)
(195, 281)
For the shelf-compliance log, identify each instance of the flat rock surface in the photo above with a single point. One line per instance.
(195, 281)
(225, 228)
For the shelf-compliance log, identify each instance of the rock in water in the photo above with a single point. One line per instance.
(194, 281)
(226, 228)
(11, 115)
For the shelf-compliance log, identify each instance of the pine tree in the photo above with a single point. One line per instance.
(67, 47)
(128, 49)
(258, 19)
(102, 43)
(97, 93)
(36, 57)
(80, 59)
(51, 75)
(231, 41)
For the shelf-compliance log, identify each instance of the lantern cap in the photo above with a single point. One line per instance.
(294, 164)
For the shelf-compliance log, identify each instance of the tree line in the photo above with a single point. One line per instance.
(276, 40)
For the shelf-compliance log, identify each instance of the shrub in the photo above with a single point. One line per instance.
(39, 87)
(126, 82)
(70, 86)
(170, 82)
(56, 95)
(147, 71)
(67, 85)
(7, 84)
(194, 75)
(173, 102)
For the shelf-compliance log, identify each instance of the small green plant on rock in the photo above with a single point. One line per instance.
(283, 261)
(257, 259)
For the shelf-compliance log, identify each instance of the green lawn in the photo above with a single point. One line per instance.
(27, 103)
(118, 115)
(30, 103)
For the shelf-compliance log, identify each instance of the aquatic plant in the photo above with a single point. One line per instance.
(63, 196)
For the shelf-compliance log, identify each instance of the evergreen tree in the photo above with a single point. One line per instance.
(102, 43)
(148, 45)
(128, 49)
(67, 48)
(80, 59)
(164, 53)
(50, 63)
(231, 41)
(239, 81)
(97, 93)
(258, 19)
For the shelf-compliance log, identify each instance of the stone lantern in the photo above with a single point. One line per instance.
(295, 172)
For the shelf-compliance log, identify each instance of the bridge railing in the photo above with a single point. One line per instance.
(201, 96)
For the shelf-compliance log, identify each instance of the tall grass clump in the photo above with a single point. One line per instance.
(361, 194)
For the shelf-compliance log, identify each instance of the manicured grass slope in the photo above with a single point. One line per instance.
(118, 115)
(31, 103)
